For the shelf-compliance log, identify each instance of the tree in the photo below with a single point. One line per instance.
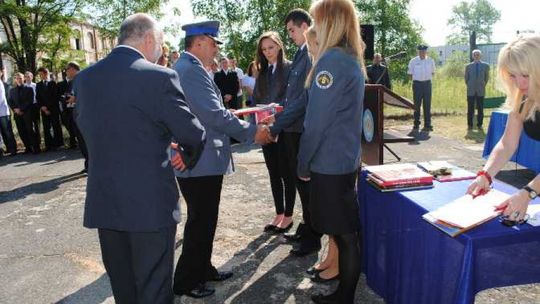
(478, 16)
(109, 14)
(242, 22)
(394, 30)
(25, 24)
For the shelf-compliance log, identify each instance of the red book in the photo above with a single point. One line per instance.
(260, 111)
(399, 174)
(396, 184)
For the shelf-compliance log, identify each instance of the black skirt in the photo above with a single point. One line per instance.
(333, 204)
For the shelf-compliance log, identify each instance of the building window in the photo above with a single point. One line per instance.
(91, 39)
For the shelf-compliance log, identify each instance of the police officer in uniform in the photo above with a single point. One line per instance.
(201, 185)
(421, 71)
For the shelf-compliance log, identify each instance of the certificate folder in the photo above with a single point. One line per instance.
(466, 212)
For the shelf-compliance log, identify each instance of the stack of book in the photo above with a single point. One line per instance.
(398, 177)
(444, 171)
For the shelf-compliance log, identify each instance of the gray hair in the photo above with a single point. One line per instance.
(136, 26)
(477, 51)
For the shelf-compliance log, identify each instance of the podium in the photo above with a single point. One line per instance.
(374, 137)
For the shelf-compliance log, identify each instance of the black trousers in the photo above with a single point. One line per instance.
(309, 238)
(27, 131)
(472, 103)
(23, 134)
(52, 129)
(422, 98)
(6, 131)
(36, 122)
(67, 121)
(202, 195)
(139, 264)
(282, 182)
(80, 142)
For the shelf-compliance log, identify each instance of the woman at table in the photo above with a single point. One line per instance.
(270, 87)
(329, 153)
(518, 69)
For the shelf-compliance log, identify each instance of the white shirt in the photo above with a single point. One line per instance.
(4, 108)
(33, 86)
(249, 82)
(240, 74)
(421, 69)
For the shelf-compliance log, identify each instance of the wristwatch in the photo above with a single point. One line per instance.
(532, 193)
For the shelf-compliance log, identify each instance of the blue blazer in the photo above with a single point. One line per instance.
(204, 99)
(128, 109)
(296, 98)
(331, 142)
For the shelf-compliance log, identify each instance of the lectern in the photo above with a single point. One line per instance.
(374, 137)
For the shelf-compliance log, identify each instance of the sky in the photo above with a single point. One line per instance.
(433, 15)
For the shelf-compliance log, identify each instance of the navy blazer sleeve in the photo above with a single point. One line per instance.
(206, 104)
(290, 114)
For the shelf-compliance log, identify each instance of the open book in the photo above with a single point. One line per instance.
(444, 171)
(466, 212)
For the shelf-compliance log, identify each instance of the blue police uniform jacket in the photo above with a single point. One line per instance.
(296, 98)
(331, 141)
(204, 100)
(128, 109)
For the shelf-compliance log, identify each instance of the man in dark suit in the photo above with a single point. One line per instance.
(476, 79)
(227, 82)
(201, 185)
(66, 114)
(129, 109)
(47, 98)
(21, 101)
(291, 122)
(378, 73)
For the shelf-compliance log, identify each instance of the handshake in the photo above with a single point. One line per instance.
(263, 135)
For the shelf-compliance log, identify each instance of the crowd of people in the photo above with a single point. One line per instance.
(40, 108)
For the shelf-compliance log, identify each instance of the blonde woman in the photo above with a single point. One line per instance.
(518, 70)
(329, 153)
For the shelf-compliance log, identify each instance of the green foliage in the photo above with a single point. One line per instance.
(394, 31)
(242, 22)
(109, 14)
(478, 16)
(455, 65)
(26, 23)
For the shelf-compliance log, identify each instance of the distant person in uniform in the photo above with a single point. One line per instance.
(240, 74)
(47, 98)
(128, 109)
(378, 73)
(201, 185)
(227, 82)
(421, 71)
(330, 146)
(518, 69)
(476, 78)
(21, 101)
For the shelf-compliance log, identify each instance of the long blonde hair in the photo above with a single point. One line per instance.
(313, 48)
(521, 57)
(336, 24)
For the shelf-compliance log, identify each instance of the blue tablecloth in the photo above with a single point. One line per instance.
(528, 151)
(407, 260)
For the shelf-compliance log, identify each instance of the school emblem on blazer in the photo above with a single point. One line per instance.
(324, 79)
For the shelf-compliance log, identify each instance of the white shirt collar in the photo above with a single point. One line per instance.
(303, 46)
(273, 67)
(130, 47)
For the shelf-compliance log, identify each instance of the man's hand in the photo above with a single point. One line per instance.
(263, 135)
(227, 97)
(176, 160)
(268, 120)
(305, 179)
(18, 111)
(45, 110)
(71, 99)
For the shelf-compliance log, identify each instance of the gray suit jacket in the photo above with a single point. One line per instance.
(204, 99)
(476, 83)
(128, 109)
(296, 98)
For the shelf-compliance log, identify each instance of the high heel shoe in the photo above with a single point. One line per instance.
(270, 228)
(283, 230)
(316, 277)
(312, 270)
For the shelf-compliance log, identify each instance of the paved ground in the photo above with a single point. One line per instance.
(48, 257)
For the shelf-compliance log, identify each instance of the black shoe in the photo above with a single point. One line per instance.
(200, 292)
(312, 271)
(300, 252)
(270, 228)
(322, 299)
(427, 129)
(221, 276)
(316, 277)
(292, 237)
(283, 230)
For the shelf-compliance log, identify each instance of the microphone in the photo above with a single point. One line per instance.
(396, 56)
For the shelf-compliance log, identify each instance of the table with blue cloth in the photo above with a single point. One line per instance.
(408, 260)
(527, 151)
